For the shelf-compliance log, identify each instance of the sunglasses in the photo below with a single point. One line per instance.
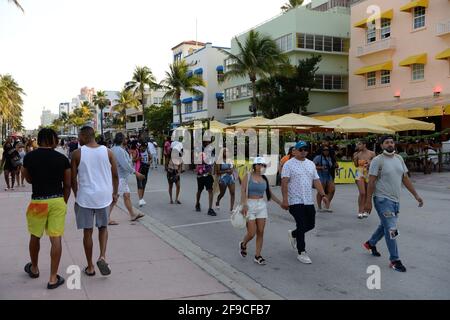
(303, 150)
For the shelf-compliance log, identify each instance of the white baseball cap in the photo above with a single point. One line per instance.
(259, 160)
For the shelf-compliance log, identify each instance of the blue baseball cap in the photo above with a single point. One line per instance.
(301, 144)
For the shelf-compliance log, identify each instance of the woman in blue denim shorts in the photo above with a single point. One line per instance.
(225, 174)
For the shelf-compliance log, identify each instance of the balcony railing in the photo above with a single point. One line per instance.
(377, 46)
(443, 28)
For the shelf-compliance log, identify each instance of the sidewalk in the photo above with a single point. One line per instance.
(436, 181)
(143, 266)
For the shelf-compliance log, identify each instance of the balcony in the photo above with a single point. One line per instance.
(443, 28)
(377, 46)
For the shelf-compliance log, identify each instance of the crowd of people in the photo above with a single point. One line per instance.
(98, 175)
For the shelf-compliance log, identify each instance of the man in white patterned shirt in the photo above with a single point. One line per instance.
(298, 176)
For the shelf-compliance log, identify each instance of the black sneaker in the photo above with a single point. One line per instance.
(212, 213)
(398, 266)
(197, 208)
(372, 249)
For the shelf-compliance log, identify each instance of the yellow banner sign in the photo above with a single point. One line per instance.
(346, 173)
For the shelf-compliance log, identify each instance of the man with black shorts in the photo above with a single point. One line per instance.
(205, 180)
(95, 183)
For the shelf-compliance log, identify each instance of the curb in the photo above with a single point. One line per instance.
(241, 284)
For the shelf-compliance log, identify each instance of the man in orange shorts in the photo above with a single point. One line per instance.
(48, 171)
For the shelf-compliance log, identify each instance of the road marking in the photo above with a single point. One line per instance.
(199, 224)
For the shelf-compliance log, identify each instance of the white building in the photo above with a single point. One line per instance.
(64, 107)
(135, 118)
(205, 62)
(47, 117)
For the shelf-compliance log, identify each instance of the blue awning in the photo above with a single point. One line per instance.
(219, 69)
(187, 100)
(198, 98)
(199, 71)
(190, 73)
(219, 96)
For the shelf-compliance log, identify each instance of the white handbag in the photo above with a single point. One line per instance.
(237, 218)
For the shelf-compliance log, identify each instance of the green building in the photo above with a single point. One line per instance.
(322, 28)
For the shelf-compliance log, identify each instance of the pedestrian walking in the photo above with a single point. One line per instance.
(11, 161)
(174, 170)
(325, 166)
(19, 176)
(254, 186)
(144, 167)
(387, 174)
(362, 159)
(48, 172)
(153, 154)
(205, 180)
(298, 176)
(167, 151)
(95, 185)
(125, 169)
(225, 173)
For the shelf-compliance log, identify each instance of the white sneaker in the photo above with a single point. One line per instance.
(142, 203)
(360, 216)
(303, 258)
(365, 215)
(292, 240)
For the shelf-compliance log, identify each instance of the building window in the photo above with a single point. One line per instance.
(140, 118)
(371, 79)
(131, 119)
(385, 28)
(338, 83)
(318, 43)
(284, 43)
(309, 41)
(200, 105)
(385, 77)
(188, 107)
(418, 72)
(300, 40)
(337, 44)
(327, 43)
(328, 82)
(220, 104)
(419, 17)
(220, 76)
(371, 33)
(318, 80)
(228, 63)
(227, 94)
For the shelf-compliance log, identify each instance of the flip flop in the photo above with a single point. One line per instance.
(103, 267)
(87, 273)
(30, 273)
(113, 223)
(138, 217)
(60, 280)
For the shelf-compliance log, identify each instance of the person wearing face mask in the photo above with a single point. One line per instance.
(387, 173)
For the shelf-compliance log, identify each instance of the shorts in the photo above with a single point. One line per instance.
(123, 186)
(257, 209)
(362, 174)
(85, 217)
(48, 215)
(227, 180)
(172, 176)
(325, 178)
(205, 182)
(141, 184)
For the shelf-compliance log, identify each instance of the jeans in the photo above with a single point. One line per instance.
(388, 211)
(305, 218)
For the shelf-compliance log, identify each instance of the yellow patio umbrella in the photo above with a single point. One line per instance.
(352, 125)
(398, 123)
(249, 123)
(292, 120)
(216, 126)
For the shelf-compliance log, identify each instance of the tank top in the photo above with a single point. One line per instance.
(94, 178)
(256, 189)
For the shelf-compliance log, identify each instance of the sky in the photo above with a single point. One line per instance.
(59, 46)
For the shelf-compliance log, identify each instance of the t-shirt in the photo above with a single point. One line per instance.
(301, 176)
(167, 145)
(389, 184)
(46, 168)
(325, 162)
(151, 148)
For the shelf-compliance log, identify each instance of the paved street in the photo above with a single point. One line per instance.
(339, 262)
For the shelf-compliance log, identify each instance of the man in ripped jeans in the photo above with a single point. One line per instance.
(387, 173)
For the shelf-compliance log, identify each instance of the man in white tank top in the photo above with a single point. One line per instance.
(95, 183)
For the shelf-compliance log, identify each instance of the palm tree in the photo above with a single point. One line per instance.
(292, 4)
(11, 104)
(142, 78)
(81, 115)
(17, 4)
(126, 100)
(101, 100)
(177, 80)
(258, 57)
